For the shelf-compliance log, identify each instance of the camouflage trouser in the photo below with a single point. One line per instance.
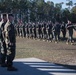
(56, 36)
(49, 35)
(64, 34)
(70, 38)
(3, 53)
(34, 34)
(44, 34)
(11, 54)
(39, 34)
(20, 32)
(24, 33)
(8, 53)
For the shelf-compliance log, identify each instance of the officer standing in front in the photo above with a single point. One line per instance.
(10, 44)
(10, 40)
(4, 50)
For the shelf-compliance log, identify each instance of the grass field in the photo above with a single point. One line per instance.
(57, 53)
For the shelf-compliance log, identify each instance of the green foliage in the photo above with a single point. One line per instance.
(74, 10)
(38, 10)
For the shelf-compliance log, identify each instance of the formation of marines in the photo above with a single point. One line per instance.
(47, 31)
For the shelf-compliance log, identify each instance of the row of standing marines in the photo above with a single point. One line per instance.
(46, 30)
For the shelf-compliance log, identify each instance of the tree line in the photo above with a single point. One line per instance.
(39, 10)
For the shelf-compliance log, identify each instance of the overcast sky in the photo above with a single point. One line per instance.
(58, 1)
